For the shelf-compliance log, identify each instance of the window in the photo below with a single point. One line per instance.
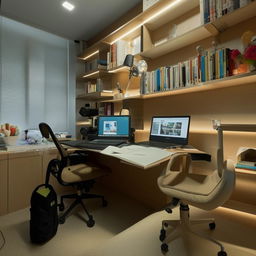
(36, 83)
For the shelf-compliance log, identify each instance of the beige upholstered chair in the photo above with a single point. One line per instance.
(73, 169)
(203, 191)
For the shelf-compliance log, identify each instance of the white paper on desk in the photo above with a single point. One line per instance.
(137, 155)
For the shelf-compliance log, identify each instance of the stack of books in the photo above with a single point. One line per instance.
(246, 165)
(214, 9)
(213, 64)
(91, 87)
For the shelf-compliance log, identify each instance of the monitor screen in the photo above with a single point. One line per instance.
(114, 126)
(173, 129)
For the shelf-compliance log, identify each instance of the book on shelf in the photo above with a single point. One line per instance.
(119, 50)
(244, 166)
(106, 109)
(213, 9)
(91, 87)
(210, 65)
(138, 155)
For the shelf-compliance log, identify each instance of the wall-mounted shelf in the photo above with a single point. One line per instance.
(119, 69)
(195, 35)
(94, 74)
(96, 96)
(230, 81)
(242, 79)
(235, 17)
(165, 8)
(245, 171)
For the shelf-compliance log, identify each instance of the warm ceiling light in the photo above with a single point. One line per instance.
(68, 6)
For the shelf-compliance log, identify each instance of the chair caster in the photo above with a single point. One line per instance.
(104, 203)
(62, 220)
(169, 210)
(61, 207)
(212, 225)
(222, 253)
(162, 235)
(164, 248)
(90, 223)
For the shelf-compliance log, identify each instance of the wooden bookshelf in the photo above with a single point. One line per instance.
(231, 81)
(246, 171)
(194, 35)
(96, 96)
(235, 17)
(242, 79)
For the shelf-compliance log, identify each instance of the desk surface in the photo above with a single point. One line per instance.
(195, 154)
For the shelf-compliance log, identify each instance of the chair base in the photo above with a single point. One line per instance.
(79, 201)
(172, 229)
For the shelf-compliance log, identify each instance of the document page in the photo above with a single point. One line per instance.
(138, 155)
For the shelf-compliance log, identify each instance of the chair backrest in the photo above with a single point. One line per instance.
(47, 132)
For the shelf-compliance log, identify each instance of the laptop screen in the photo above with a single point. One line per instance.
(171, 129)
(114, 126)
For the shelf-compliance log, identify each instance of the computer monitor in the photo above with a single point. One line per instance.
(114, 126)
(171, 129)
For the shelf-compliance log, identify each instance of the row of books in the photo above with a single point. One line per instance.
(213, 64)
(250, 165)
(95, 64)
(119, 50)
(91, 87)
(214, 9)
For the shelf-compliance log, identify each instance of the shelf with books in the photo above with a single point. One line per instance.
(235, 16)
(96, 96)
(192, 36)
(242, 79)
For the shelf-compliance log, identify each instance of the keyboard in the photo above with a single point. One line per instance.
(107, 142)
(158, 144)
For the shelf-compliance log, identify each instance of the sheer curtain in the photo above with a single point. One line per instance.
(37, 80)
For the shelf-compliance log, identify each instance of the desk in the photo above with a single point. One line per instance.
(133, 181)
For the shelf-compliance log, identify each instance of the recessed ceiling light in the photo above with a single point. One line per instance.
(68, 6)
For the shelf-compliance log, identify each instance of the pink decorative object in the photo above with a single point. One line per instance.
(250, 52)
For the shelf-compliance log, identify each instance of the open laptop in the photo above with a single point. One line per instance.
(168, 132)
(112, 131)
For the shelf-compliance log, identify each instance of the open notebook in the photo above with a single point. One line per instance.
(138, 155)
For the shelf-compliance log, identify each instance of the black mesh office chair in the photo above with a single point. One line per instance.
(73, 169)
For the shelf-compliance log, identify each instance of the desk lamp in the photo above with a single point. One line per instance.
(135, 70)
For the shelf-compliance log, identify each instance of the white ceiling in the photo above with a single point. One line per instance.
(87, 19)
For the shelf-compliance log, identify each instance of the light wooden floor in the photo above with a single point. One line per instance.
(127, 228)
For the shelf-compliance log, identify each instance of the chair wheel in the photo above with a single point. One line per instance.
(61, 207)
(162, 235)
(62, 220)
(90, 223)
(104, 203)
(164, 248)
(169, 210)
(222, 253)
(212, 225)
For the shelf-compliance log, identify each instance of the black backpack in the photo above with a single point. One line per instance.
(43, 214)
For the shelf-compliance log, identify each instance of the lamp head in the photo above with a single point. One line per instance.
(129, 60)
